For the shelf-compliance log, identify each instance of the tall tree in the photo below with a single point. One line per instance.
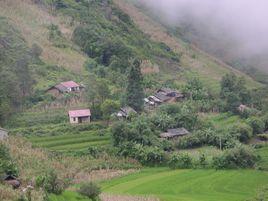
(135, 93)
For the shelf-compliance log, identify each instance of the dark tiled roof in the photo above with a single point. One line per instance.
(162, 96)
(175, 133)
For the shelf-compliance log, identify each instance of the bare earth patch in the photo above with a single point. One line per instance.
(107, 197)
(99, 175)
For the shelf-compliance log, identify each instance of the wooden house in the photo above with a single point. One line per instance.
(65, 87)
(125, 112)
(79, 116)
(164, 95)
(174, 133)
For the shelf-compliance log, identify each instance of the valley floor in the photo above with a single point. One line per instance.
(190, 185)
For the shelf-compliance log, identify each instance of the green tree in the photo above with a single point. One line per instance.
(234, 92)
(90, 190)
(135, 93)
(108, 108)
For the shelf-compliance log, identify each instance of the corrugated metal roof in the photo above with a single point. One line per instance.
(80, 113)
(70, 84)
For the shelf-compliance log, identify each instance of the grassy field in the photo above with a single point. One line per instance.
(263, 152)
(190, 185)
(223, 120)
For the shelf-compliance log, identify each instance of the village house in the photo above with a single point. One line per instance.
(65, 87)
(164, 95)
(174, 133)
(3, 134)
(79, 116)
(125, 112)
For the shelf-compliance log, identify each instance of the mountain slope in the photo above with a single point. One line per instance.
(33, 22)
(208, 67)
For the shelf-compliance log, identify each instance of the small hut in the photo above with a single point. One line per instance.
(65, 87)
(79, 116)
(125, 112)
(174, 133)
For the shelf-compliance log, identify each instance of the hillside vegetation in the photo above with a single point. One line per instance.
(208, 68)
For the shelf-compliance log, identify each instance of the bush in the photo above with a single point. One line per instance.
(51, 183)
(181, 160)
(90, 190)
(263, 137)
(256, 124)
(238, 157)
(242, 131)
(265, 120)
(7, 165)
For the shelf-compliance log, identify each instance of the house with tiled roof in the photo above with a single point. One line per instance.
(65, 87)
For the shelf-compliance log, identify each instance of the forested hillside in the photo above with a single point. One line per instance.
(91, 90)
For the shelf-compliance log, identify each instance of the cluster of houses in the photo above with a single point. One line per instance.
(164, 95)
(161, 96)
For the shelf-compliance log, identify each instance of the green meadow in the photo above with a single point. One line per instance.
(190, 185)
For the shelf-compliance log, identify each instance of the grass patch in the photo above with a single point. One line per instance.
(190, 185)
(263, 152)
(223, 120)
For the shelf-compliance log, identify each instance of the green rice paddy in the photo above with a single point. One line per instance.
(190, 185)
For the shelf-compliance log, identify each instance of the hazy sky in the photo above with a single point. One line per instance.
(244, 20)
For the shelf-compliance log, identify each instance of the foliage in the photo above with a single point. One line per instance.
(238, 157)
(7, 165)
(146, 155)
(181, 160)
(109, 107)
(50, 182)
(134, 91)
(90, 190)
(16, 75)
(195, 88)
(234, 92)
(257, 125)
(243, 132)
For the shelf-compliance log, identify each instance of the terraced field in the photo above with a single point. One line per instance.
(73, 142)
(190, 185)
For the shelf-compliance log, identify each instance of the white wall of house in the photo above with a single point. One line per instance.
(75, 120)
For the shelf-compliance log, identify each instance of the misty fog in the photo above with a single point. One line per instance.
(243, 23)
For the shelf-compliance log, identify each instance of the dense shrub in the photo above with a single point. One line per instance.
(243, 132)
(51, 183)
(90, 190)
(265, 120)
(7, 165)
(181, 160)
(147, 155)
(263, 137)
(238, 157)
(257, 125)
(163, 121)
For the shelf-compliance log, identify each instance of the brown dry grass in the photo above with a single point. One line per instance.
(99, 175)
(33, 161)
(32, 22)
(147, 67)
(107, 197)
